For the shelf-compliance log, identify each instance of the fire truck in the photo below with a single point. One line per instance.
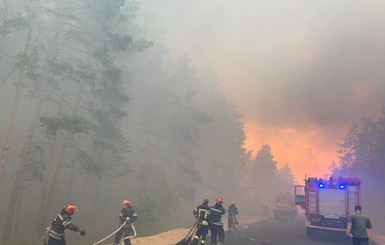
(328, 202)
(284, 206)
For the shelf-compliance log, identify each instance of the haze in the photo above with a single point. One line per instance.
(299, 71)
(168, 102)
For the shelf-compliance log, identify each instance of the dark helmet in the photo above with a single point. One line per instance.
(206, 201)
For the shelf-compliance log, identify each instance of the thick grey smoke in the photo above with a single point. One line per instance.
(299, 71)
(298, 63)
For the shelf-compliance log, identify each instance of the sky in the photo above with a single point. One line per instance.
(299, 71)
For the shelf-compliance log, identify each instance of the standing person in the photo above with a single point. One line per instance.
(126, 217)
(216, 225)
(232, 211)
(357, 227)
(60, 223)
(202, 214)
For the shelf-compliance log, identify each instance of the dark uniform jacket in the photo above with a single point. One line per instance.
(130, 213)
(216, 214)
(233, 210)
(202, 213)
(60, 223)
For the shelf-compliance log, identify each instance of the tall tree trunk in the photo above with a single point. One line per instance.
(41, 218)
(98, 196)
(16, 98)
(19, 180)
(17, 219)
(59, 165)
(70, 185)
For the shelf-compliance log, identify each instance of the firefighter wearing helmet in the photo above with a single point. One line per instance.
(232, 211)
(216, 224)
(202, 214)
(60, 223)
(126, 217)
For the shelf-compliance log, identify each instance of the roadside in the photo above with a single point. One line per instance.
(174, 236)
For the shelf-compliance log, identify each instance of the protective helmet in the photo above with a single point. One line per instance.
(233, 203)
(126, 202)
(219, 201)
(71, 208)
(206, 201)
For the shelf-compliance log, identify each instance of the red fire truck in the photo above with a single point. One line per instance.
(328, 202)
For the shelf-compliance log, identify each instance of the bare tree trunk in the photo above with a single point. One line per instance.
(59, 165)
(41, 219)
(17, 219)
(16, 99)
(98, 193)
(19, 180)
(52, 189)
(70, 183)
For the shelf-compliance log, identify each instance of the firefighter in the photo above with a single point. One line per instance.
(216, 224)
(128, 215)
(202, 214)
(232, 211)
(60, 223)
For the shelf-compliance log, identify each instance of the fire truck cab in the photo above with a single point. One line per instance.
(328, 202)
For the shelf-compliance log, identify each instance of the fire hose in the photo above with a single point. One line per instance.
(128, 237)
(44, 238)
(113, 233)
(250, 239)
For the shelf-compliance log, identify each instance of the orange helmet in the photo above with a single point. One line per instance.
(71, 208)
(219, 200)
(126, 202)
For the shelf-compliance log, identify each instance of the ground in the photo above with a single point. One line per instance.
(174, 236)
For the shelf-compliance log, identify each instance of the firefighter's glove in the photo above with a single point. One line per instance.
(82, 232)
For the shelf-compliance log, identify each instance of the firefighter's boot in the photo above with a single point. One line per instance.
(195, 240)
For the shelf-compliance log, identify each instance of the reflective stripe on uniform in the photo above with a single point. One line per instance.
(60, 217)
(218, 223)
(54, 234)
(66, 223)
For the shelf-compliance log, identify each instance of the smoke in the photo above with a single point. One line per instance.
(308, 67)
